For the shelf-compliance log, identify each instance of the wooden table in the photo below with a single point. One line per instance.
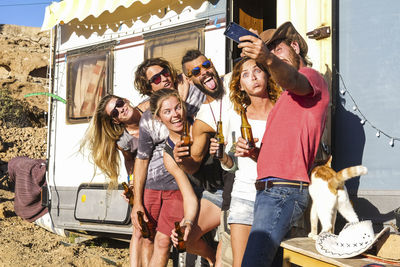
(301, 251)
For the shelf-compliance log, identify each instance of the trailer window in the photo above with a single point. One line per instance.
(172, 43)
(88, 80)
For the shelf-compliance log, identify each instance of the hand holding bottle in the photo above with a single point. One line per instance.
(243, 149)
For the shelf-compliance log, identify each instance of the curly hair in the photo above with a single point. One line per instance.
(240, 98)
(142, 84)
(101, 137)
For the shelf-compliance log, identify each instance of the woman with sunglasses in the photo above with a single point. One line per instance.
(253, 88)
(157, 194)
(113, 127)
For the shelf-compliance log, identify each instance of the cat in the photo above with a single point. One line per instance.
(329, 195)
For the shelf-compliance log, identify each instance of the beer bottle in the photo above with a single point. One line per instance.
(128, 193)
(245, 128)
(145, 228)
(185, 137)
(181, 247)
(220, 139)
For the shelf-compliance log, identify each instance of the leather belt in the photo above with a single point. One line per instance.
(262, 185)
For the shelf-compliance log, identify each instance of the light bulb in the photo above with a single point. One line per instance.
(391, 143)
(354, 108)
(378, 134)
(362, 121)
(342, 91)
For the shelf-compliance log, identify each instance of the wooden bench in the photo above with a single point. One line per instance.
(301, 251)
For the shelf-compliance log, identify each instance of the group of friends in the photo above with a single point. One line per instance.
(259, 192)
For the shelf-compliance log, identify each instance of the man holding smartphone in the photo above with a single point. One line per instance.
(292, 135)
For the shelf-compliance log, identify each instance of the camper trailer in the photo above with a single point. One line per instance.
(97, 46)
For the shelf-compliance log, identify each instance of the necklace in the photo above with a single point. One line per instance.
(220, 111)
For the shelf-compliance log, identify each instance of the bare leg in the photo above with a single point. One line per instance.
(135, 249)
(208, 219)
(218, 259)
(239, 235)
(162, 245)
(147, 251)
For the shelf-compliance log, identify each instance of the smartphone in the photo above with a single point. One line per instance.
(234, 31)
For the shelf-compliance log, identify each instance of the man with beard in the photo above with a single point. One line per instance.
(205, 169)
(291, 139)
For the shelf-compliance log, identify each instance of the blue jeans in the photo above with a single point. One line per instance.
(276, 209)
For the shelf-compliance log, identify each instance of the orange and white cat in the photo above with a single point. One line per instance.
(329, 195)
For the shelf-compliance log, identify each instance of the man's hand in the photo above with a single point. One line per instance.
(134, 216)
(183, 86)
(254, 48)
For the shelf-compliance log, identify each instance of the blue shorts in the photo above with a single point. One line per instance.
(213, 197)
(241, 211)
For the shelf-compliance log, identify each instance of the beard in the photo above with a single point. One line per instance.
(218, 92)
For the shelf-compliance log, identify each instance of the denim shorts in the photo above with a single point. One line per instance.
(213, 197)
(241, 211)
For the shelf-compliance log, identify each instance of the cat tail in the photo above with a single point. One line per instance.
(351, 172)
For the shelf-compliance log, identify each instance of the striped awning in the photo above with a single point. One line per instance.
(104, 11)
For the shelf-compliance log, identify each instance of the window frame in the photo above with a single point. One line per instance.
(80, 53)
(181, 30)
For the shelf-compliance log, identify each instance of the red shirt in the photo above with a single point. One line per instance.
(293, 132)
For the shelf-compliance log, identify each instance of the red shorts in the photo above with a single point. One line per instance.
(163, 208)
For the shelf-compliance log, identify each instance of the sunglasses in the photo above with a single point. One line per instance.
(118, 104)
(196, 70)
(156, 79)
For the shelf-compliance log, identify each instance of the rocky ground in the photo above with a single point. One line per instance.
(24, 54)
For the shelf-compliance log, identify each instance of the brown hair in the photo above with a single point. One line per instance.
(240, 97)
(142, 84)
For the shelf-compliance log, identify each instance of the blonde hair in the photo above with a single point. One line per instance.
(101, 137)
(239, 97)
(158, 97)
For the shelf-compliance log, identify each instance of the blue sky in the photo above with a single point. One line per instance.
(23, 12)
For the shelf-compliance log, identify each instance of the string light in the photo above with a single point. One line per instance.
(391, 143)
(364, 120)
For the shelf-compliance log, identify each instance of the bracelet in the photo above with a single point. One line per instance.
(130, 178)
(187, 221)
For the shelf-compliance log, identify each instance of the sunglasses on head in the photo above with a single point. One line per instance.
(118, 104)
(156, 79)
(196, 70)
